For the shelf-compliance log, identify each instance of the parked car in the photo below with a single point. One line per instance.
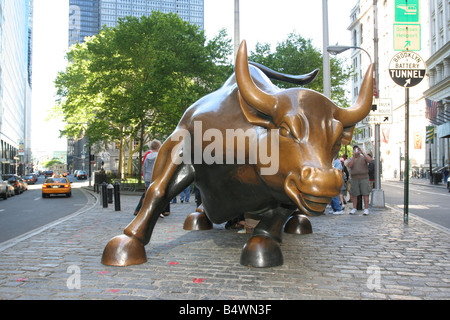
(30, 179)
(48, 173)
(12, 193)
(81, 175)
(24, 184)
(56, 186)
(4, 189)
(15, 181)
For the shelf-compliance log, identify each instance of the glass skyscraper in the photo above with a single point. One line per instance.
(15, 85)
(86, 17)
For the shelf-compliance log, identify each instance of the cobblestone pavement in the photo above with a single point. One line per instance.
(346, 257)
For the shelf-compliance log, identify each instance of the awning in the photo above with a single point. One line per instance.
(443, 131)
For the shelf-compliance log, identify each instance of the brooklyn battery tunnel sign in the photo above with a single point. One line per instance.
(407, 69)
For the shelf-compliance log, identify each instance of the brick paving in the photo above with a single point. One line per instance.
(346, 257)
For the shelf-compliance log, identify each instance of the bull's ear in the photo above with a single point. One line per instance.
(347, 135)
(255, 117)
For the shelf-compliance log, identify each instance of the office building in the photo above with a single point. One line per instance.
(438, 93)
(86, 18)
(364, 30)
(15, 85)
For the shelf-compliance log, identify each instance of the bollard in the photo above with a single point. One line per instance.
(104, 196)
(110, 193)
(117, 196)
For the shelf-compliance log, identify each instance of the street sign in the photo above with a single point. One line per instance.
(407, 25)
(377, 119)
(384, 107)
(407, 37)
(407, 69)
(407, 11)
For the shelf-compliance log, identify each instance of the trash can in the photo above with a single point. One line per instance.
(437, 177)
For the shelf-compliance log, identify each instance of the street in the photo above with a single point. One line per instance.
(25, 212)
(425, 201)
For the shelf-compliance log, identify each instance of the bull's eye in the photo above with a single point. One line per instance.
(285, 131)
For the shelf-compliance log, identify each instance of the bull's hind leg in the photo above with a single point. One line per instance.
(263, 250)
(169, 179)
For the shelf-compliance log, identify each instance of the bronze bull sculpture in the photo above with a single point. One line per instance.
(301, 129)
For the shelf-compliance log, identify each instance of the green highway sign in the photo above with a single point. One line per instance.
(407, 11)
(407, 37)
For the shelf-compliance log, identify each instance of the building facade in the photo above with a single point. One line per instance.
(15, 85)
(369, 33)
(438, 93)
(86, 18)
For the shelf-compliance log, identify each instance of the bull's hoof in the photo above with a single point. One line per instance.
(298, 224)
(197, 221)
(122, 251)
(261, 252)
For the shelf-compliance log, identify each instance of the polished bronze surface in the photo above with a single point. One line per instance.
(301, 130)
(197, 221)
(261, 252)
(123, 251)
(298, 224)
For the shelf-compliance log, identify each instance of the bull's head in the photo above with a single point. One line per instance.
(311, 131)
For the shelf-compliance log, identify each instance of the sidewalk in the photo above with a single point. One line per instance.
(346, 257)
(420, 181)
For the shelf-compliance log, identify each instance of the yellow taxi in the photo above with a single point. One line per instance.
(56, 185)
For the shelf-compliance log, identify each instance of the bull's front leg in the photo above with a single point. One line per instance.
(263, 250)
(168, 180)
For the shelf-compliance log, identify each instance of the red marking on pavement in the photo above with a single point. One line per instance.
(22, 279)
(198, 280)
(173, 263)
(103, 272)
(113, 290)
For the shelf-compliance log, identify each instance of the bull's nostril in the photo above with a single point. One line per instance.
(306, 173)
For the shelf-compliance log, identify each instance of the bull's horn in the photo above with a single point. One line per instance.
(254, 96)
(350, 116)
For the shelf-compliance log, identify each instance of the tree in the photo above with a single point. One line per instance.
(51, 162)
(134, 81)
(297, 55)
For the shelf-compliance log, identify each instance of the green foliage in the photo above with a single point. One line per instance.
(51, 162)
(297, 55)
(142, 74)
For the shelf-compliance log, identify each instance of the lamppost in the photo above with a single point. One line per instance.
(377, 193)
(335, 50)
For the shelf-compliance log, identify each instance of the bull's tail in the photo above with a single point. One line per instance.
(295, 79)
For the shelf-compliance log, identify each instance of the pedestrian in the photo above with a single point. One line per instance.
(371, 172)
(335, 202)
(346, 160)
(147, 171)
(345, 176)
(185, 194)
(359, 177)
(198, 197)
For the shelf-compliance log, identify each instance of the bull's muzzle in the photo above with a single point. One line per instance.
(313, 188)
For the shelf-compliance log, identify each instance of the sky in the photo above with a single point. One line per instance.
(264, 21)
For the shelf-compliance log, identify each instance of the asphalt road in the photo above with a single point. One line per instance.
(425, 201)
(27, 211)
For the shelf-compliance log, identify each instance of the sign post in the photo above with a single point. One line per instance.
(407, 69)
